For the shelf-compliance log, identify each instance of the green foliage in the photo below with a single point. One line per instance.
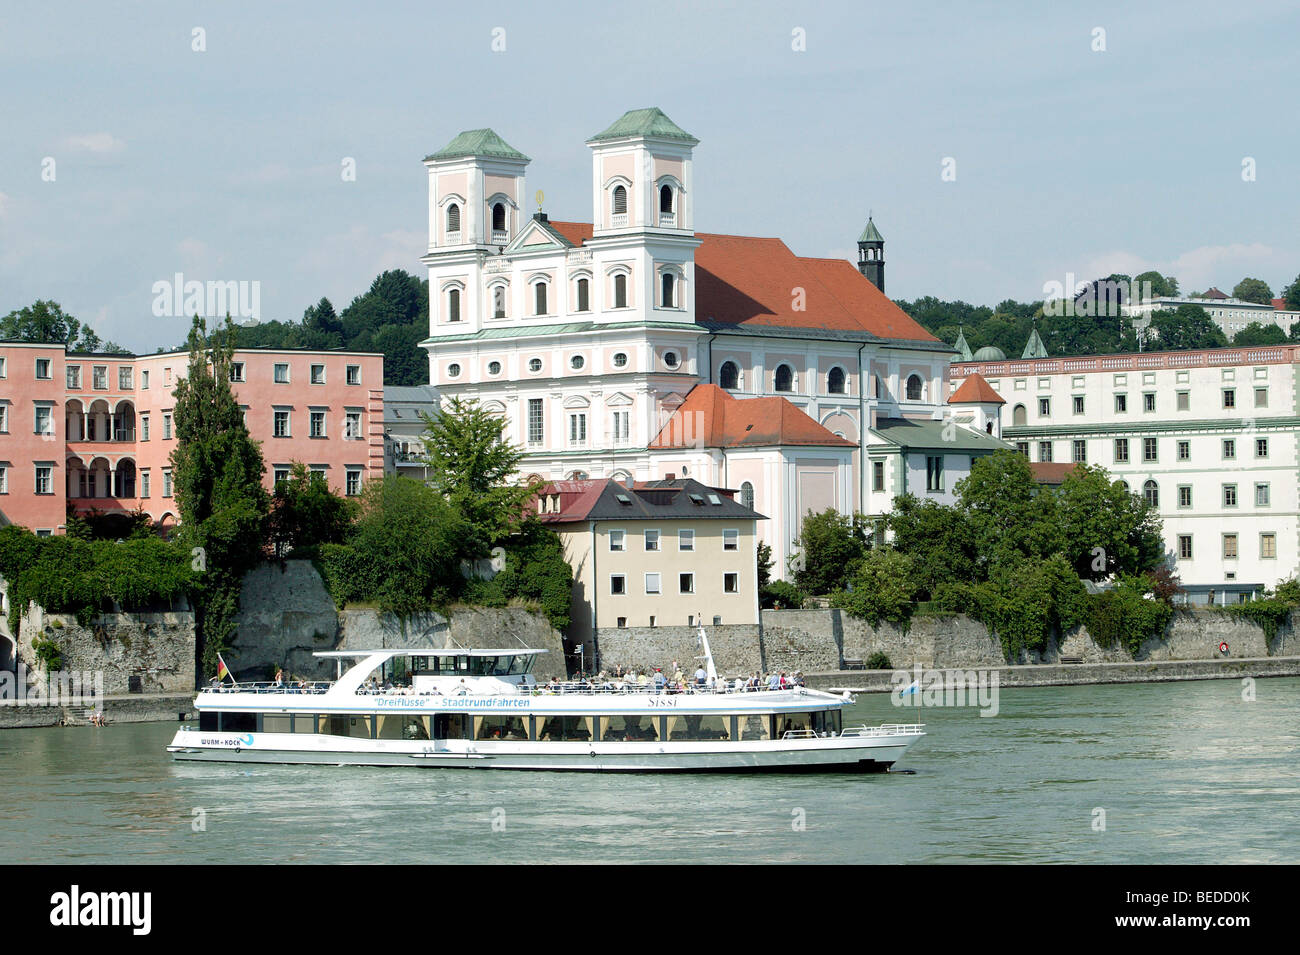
(938, 538)
(44, 321)
(883, 588)
(1291, 295)
(829, 543)
(472, 465)
(405, 552)
(305, 513)
(1253, 290)
(763, 555)
(1289, 590)
(94, 524)
(1127, 615)
(1023, 603)
(217, 473)
(781, 594)
(1186, 327)
(49, 653)
(1162, 286)
(1110, 530)
(536, 571)
(879, 661)
(1011, 515)
(1268, 614)
(1256, 334)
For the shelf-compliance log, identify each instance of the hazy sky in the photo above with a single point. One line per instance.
(226, 164)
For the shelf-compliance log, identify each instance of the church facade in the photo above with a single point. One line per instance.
(634, 347)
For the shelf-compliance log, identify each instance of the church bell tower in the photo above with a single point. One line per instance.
(871, 255)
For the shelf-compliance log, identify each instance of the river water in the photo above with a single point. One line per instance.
(1185, 772)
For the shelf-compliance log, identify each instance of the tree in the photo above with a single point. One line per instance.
(1256, 334)
(305, 513)
(1187, 327)
(1162, 286)
(217, 475)
(829, 543)
(1111, 531)
(1253, 290)
(883, 587)
(536, 571)
(1011, 515)
(1291, 295)
(472, 466)
(763, 555)
(321, 316)
(939, 539)
(45, 321)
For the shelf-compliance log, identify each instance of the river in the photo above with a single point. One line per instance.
(1185, 773)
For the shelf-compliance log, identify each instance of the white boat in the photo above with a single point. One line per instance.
(483, 709)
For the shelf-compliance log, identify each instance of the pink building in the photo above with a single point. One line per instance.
(96, 430)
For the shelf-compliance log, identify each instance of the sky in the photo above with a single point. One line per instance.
(128, 154)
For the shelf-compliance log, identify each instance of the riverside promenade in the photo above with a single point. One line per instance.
(117, 708)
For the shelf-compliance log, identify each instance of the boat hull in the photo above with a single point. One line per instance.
(820, 755)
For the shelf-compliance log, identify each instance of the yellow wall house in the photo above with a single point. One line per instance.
(654, 554)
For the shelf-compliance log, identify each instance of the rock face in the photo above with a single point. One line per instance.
(737, 648)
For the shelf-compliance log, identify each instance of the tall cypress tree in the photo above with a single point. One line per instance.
(217, 474)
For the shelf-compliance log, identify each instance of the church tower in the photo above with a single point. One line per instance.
(871, 255)
(641, 174)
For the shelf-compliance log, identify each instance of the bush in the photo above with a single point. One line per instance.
(830, 544)
(48, 652)
(1128, 615)
(1268, 614)
(884, 588)
(783, 594)
(879, 661)
(536, 571)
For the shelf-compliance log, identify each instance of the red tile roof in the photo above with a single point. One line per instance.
(744, 280)
(1051, 472)
(712, 418)
(975, 390)
(1279, 304)
(1213, 293)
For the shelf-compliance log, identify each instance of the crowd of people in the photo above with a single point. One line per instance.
(675, 680)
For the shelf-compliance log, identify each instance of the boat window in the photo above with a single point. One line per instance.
(690, 726)
(501, 727)
(277, 723)
(304, 722)
(801, 723)
(451, 726)
(403, 726)
(520, 665)
(565, 728)
(237, 722)
(755, 726)
(632, 728)
(346, 724)
(827, 722)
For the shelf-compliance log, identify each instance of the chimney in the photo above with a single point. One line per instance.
(670, 476)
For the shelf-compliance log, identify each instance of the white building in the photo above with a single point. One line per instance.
(1230, 314)
(589, 337)
(1209, 437)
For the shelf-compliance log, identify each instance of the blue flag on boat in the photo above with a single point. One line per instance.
(909, 689)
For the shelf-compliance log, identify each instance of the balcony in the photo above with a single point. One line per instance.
(668, 220)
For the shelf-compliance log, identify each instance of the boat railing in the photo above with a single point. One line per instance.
(653, 689)
(885, 729)
(297, 686)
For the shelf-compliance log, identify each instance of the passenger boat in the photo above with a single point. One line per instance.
(483, 709)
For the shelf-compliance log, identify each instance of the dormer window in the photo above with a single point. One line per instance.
(453, 218)
(620, 201)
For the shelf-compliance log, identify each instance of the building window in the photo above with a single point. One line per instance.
(1121, 403)
(878, 473)
(352, 425)
(747, 495)
(934, 473)
(622, 427)
(1229, 545)
(577, 362)
(1229, 397)
(670, 359)
(584, 295)
(784, 378)
(44, 479)
(1184, 546)
(1151, 493)
(1149, 449)
(499, 301)
(1268, 546)
(352, 483)
(494, 368)
(4, 479)
(3, 373)
(144, 482)
(578, 428)
(1184, 400)
(731, 583)
(539, 299)
(236, 371)
(617, 540)
(835, 381)
(620, 359)
(1184, 495)
(1149, 401)
(144, 427)
(914, 388)
(1261, 495)
(652, 585)
(1229, 448)
(167, 483)
(1261, 447)
(281, 374)
(44, 423)
(453, 370)
(617, 584)
(1080, 452)
(620, 291)
(651, 540)
(685, 540)
(1121, 450)
(1045, 452)
(536, 432)
(354, 374)
(453, 305)
(499, 217)
(686, 583)
(730, 539)
(534, 365)
(1044, 407)
(124, 376)
(666, 199)
(43, 368)
(317, 424)
(453, 218)
(1078, 404)
(279, 474)
(99, 377)
(74, 376)
(619, 205)
(729, 376)
(1261, 397)
(668, 289)
(281, 424)
(1184, 450)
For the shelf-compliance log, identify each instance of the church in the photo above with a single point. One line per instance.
(631, 346)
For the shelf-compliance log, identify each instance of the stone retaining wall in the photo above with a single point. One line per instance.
(737, 648)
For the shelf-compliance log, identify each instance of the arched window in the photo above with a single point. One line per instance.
(784, 378)
(453, 218)
(729, 376)
(584, 295)
(1124, 485)
(499, 217)
(1151, 492)
(453, 305)
(620, 291)
(499, 302)
(914, 388)
(620, 201)
(835, 381)
(539, 298)
(747, 495)
(669, 290)
(665, 198)
(1019, 415)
